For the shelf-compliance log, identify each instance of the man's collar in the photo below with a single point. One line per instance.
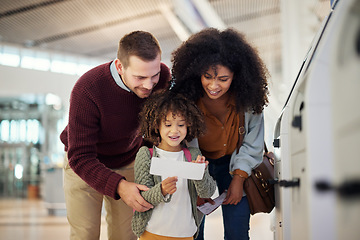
(117, 78)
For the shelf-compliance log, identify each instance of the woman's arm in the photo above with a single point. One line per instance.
(249, 156)
(251, 151)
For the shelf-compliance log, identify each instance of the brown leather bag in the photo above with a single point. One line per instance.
(259, 191)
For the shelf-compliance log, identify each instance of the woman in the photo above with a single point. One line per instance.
(224, 75)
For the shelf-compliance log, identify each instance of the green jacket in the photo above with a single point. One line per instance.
(203, 188)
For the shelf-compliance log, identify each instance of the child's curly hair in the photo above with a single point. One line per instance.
(229, 48)
(159, 104)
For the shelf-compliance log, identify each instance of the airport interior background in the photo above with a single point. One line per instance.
(46, 45)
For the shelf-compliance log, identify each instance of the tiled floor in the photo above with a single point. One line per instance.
(29, 220)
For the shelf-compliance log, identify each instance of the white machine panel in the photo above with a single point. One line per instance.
(318, 137)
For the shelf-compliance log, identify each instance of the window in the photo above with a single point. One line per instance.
(10, 56)
(46, 61)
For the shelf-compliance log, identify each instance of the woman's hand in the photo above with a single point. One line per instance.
(168, 186)
(235, 191)
(201, 201)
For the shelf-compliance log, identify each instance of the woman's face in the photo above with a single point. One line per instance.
(216, 81)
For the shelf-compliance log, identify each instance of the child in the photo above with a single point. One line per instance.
(168, 120)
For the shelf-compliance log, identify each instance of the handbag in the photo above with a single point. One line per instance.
(258, 186)
(258, 189)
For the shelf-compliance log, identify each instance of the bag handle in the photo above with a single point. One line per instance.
(242, 133)
(265, 147)
(186, 152)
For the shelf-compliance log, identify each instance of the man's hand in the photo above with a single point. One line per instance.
(130, 194)
(235, 191)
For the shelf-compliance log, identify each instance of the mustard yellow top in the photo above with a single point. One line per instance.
(220, 139)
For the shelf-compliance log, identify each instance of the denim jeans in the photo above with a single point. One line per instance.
(235, 217)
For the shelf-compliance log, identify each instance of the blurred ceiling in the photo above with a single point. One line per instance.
(93, 28)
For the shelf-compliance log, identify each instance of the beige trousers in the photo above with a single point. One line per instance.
(84, 205)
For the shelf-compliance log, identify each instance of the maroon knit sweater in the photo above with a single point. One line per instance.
(102, 133)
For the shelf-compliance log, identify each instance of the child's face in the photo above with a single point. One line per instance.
(172, 131)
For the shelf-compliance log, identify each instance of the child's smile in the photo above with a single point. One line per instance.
(173, 130)
(174, 137)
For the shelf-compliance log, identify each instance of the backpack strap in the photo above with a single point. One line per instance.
(186, 152)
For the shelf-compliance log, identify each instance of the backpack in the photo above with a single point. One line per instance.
(186, 152)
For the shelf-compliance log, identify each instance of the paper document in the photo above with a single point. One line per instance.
(208, 208)
(188, 170)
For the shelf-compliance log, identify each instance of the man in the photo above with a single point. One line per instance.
(102, 138)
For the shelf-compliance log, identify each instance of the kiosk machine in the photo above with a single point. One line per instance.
(317, 137)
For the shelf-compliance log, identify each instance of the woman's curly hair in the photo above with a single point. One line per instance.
(157, 107)
(229, 48)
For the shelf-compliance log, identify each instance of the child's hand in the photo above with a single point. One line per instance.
(201, 159)
(168, 186)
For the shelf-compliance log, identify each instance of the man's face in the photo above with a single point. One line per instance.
(140, 76)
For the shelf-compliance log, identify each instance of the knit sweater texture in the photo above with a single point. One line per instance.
(203, 188)
(102, 132)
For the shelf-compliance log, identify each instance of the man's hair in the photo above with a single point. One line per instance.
(138, 43)
(157, 107)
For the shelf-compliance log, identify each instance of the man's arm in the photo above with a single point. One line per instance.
(130, 193)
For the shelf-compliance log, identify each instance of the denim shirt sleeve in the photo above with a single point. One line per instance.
(251, 151)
